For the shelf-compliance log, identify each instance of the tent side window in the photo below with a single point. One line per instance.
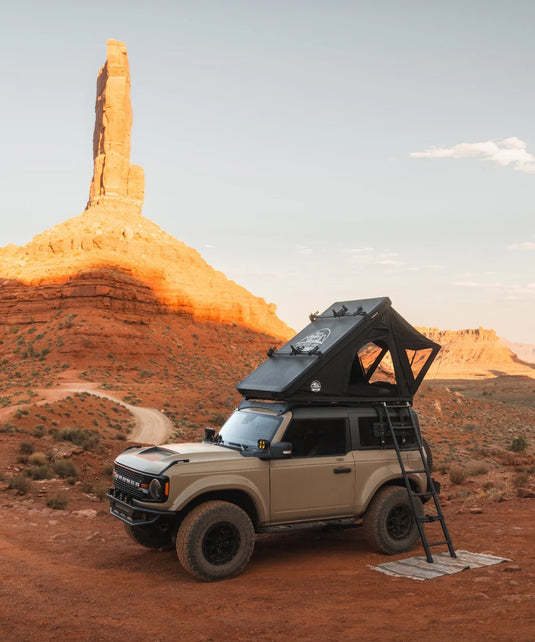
(373, 364)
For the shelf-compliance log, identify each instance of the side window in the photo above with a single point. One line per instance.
(317, 437)
(375, 434)
(366, 433)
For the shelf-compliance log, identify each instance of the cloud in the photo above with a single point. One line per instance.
(476, 284)
(506, 291)
(301, 249)
(359, 250)
(509, 151)
(527, 245)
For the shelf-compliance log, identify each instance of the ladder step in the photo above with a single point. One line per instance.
(437, 543)
(416, 471)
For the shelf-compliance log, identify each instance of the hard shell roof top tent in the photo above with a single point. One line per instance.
(355, 351)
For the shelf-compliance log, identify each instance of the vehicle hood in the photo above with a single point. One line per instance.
(157, 459)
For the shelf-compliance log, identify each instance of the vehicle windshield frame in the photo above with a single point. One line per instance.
(245, 427)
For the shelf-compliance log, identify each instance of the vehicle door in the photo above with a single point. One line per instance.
(318, 481)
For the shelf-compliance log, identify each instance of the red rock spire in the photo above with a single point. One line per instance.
(115, 182)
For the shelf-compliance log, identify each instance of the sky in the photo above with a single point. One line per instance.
(313, 151)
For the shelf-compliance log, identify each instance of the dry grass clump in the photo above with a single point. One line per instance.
(26, 447)
(519, 444)
(86, 439)
(20, 483)
(520, 479)
(65, 469)
(58, 502)
(478, 468)
(457, 474)
(38, 459)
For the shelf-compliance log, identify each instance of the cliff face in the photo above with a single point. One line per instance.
(113, 235)
(473, 353)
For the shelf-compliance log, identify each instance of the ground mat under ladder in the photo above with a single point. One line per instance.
(417, 568)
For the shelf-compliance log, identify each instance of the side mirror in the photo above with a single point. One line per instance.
(279, 450)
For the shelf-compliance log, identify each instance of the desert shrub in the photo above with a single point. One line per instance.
(68, 320)
(120, 436)
(519, 444)
(58, 502)
(218, 419)
(26, 447)
(21, 412)
(20, 483)
(107, 470)
(520, 479)
(38, 472)
(65, 468)
(99, 488)
(38, 458)
(471, 427)
(479, 468)
(39, 430)
(457, 474)
(8, 429)
(86, 439)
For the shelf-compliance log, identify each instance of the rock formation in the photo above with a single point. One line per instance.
(471, 353)
(115, 181)
(113, 235)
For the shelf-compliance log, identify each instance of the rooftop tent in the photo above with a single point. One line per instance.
(354, 351)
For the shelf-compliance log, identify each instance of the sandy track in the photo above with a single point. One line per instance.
(152, 426)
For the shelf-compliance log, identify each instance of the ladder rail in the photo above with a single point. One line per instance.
(430, 488)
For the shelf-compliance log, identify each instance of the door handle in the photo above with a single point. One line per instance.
(339, 471)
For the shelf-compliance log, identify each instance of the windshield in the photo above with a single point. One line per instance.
(244, 429)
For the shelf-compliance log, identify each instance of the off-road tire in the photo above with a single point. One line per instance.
(151, 535)
(388, 523)
(428, 454)
(215, 541)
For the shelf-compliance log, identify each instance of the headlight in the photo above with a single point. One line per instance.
(155, 489)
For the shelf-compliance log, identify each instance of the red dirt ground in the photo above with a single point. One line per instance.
(67, 576)
(76, 576)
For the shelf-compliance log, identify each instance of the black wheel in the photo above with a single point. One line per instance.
(151, 536)
(215, 541)
(389, 524)
(428, 454)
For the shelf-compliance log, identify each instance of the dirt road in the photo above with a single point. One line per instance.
(152, 426)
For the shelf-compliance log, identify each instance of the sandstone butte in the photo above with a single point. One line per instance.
(111, 234)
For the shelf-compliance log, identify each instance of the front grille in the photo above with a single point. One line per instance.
(129, 482)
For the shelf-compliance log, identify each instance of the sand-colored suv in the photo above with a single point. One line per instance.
(299, 452)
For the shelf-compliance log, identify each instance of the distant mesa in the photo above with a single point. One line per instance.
(111, 234)
(474, 353)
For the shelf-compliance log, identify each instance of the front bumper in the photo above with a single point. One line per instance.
(135, 515)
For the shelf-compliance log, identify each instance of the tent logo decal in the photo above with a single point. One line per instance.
(313, 340)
